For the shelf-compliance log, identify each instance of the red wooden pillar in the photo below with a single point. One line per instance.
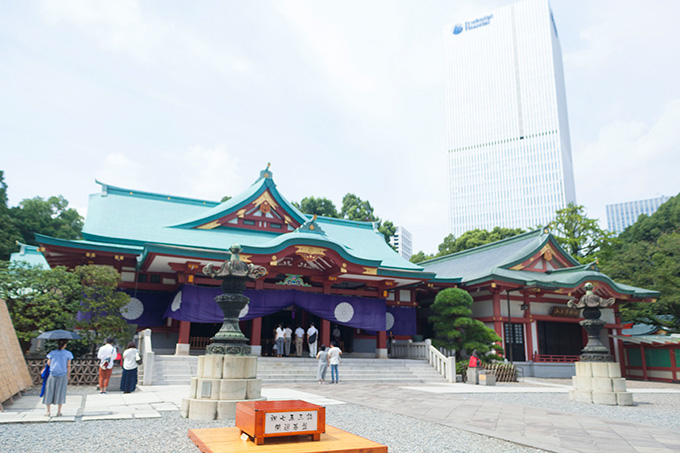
(644, 362)
(382, 340)
(184, 330)
(497, 317)
(256, 332)
(674, 364)
(325, 332)
(183, 347)
(326, 324)
(528, 329)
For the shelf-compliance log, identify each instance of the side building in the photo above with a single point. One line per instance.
(622, 215)
(509, 149)
(521, 286)
(403, 242)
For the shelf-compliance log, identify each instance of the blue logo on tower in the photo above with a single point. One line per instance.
(471, 25)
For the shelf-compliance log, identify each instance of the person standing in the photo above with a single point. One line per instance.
(106, 355)
(299, 337)
(59, 362)
(128, 381)
(279, 339)
(323, 364)
(334, 360)
(312, 336)
(336, 335)
(287, 339)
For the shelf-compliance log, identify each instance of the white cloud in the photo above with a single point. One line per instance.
(631, 160)
(209, 172)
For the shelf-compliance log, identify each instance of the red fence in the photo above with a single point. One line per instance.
(556, 358)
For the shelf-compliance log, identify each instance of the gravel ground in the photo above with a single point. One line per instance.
(169, 434)
(649, 408)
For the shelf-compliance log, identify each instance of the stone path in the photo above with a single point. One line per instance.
(453, 405)
(550, 430)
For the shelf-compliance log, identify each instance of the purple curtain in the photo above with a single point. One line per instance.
(403, 320)
(154, 305)
(197, 304)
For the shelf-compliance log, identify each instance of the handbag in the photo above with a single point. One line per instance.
(312, 338)
(138, 359)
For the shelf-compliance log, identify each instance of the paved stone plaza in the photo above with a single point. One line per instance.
(534, 413)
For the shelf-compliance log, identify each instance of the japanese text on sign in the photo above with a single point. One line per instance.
(293, 422)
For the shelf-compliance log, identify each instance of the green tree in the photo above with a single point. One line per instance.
(354, 208)
(101, 303)
(475, 238)
(9, 233)
(50, 217)
(579, 235)
(387, 229)
(39, 299)
(419, 257)
(647, 255)
(455, 329)
(319, 206)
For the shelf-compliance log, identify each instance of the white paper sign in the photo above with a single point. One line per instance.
(289, 422)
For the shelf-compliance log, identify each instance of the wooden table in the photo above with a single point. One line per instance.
(334, 440)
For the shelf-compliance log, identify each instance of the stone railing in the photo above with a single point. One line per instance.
(446, 366)
(409, 350)
(148, 355)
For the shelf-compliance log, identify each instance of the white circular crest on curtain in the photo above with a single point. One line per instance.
(176, 302)
(244, 311)
(133, 309)
(389, 320)
(344, 312)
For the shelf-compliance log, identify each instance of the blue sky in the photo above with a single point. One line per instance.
(194, 99)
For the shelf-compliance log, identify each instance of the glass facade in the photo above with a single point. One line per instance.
(506, 114)
(622, 215)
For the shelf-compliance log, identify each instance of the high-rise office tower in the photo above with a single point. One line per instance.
(506, 116)
(622, 215)
(402, 241)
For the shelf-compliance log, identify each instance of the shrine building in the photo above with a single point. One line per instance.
(323, 270)
(330, 272)
(520, 287)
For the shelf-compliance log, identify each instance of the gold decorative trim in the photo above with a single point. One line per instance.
(309, 253)
(370, 271)
(517, 267)
(241, 213)
(265, 197)
(209, 225)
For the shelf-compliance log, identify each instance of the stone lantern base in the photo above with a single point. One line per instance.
(600, 383)
(221, 382)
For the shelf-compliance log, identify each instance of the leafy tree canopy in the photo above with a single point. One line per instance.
(51, 217)
(40, 300)
(420, 256)
(354, 208)
(319, 206)
(9, 233)
(456, 330)
(647, 255)
(475, 238)
(579, 235)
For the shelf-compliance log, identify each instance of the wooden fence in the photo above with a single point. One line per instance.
(83, 371)
(505, 372)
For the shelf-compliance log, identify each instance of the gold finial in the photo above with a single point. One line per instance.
(268, 165)
(314, 218)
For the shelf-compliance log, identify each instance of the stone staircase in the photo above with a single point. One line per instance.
(177, 370)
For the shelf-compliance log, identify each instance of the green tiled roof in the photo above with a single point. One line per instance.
(119, 216)
(29, 254)
(493, 262)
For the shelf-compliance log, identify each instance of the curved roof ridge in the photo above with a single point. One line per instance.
(109, 189)
(490, 245)
(356, 223)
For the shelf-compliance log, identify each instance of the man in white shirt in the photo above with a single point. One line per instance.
(279, 339)
(299, 336)
(312, 334)
(106, 356)
(334, 360)
(288, 339)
